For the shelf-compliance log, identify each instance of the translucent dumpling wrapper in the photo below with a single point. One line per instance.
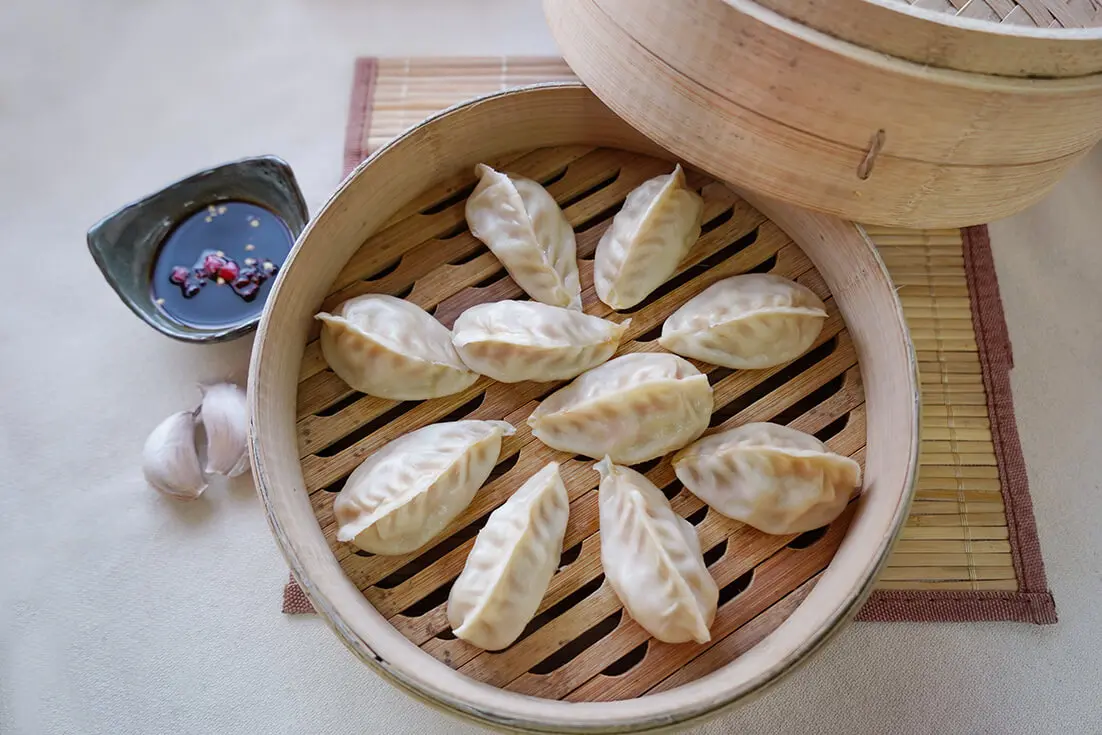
(652, 558)
(511, 564)
(632, 409)
(747, 322)
(513, 341)
(772, 477)
(409, 490)
(648, 237)
(389, 348)
(520, 222)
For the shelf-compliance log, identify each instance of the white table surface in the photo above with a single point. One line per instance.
(124, 612)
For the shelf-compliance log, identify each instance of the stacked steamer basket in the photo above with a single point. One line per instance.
(396, 226)
(874, 110)
(877, 111)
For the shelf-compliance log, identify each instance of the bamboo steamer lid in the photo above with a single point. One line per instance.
(756, 97)
(1032, 38)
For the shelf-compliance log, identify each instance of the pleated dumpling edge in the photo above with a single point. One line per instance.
(513, 559)
(409, 490)
(632, 408)
(523, 226)
(747, 322)
(512, 341)
(653, 559)
(775, 478)
(650, 235)
(390, 348)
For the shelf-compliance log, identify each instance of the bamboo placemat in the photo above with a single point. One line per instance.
(969, 550)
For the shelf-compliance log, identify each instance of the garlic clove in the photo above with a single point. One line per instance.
(170, 461)
(242, 465)
(225, 417)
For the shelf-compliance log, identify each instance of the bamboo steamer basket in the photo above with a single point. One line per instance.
(395, 225)
(749, 93)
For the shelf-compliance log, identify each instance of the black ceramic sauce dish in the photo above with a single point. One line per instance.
(230, 227)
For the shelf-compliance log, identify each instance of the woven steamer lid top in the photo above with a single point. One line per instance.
(1020, 38)
(774, 105)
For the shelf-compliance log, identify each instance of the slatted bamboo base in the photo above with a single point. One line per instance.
(580, 646)
(957, 537)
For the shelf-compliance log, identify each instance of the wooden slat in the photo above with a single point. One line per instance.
(937, 574)
(1006, 585)
(934, 470)
(963, 560)
(945, 546)
(957, 435)
(940, 507)
(983, 533)
(955, 422)
(962, 459)
(966, 520)
(959, 494)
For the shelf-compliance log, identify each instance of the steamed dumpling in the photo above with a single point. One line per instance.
(511, 564)
(513, 341)
(652, 558)
(772, 477)
(746, 322)
(648, 237)
(409, 490)
(633, 408)
(389, 348)
(523, 226)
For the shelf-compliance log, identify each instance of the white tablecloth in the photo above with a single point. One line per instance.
(124, 612)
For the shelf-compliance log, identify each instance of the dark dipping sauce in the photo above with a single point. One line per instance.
(216, 267)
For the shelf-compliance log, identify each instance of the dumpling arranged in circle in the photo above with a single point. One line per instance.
(747, 322)
(410, 489)
(772, 477)
(513, 341)
(648, 238)
(389, 348)
(520, 222)
(510, 566)
(652, 558)
(632, 409)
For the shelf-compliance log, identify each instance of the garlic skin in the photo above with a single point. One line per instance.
(170, 461)
(225, 417)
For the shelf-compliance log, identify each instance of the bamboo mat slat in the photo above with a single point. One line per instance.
(959, 535)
